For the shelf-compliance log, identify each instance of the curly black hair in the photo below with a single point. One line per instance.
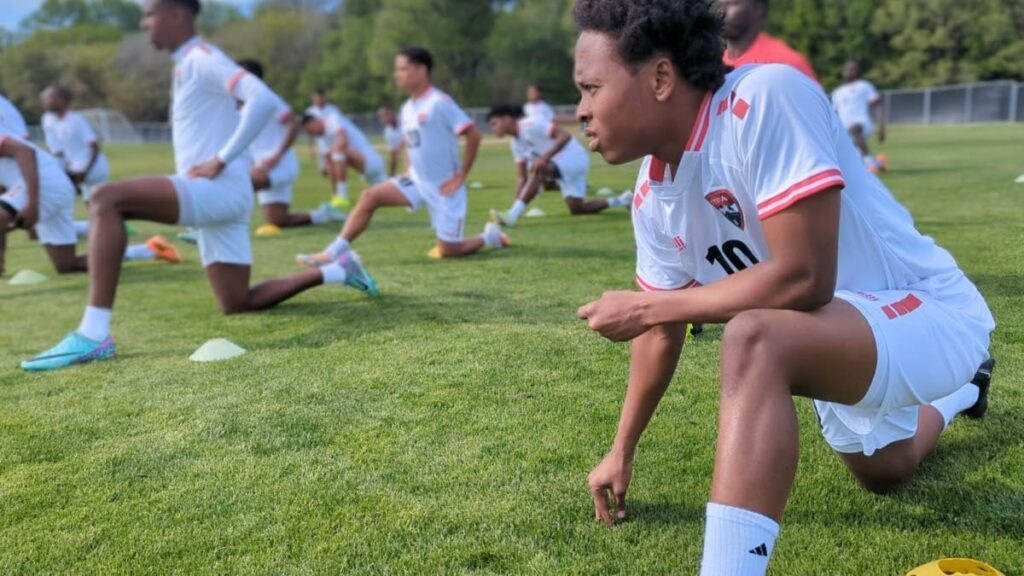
(193, 6)
(499, 110)
(687, 31)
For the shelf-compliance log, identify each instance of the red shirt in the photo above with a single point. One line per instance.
(770, 50)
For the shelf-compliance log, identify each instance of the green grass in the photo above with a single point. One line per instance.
(448, 427)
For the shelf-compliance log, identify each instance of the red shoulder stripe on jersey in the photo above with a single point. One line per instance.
(700, 127)
(656, 170)
(807, 187)
(234, 80)
(464, 128)
(648, 287)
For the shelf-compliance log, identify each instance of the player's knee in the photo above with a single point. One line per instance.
(103, 198)
(233, 307)
(887, 481)
(749, 347)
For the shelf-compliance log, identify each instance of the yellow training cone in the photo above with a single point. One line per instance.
(216, 350)
(268, 230)
(434, 253)
(955, 567)
(26, 278)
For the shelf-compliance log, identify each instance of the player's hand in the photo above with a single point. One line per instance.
(608, 483)
(539, 165)
(452, 186)
(77, 177)
(270, 163)
(618, 316)
(28, 216)
(209, 170)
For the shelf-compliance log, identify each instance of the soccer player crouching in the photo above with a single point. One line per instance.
(276, 168)
(754, 209)
(211, 191)
(347, 146)
(35, 193)
(544, 151)
(431, 124)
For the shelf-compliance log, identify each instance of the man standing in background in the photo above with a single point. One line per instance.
(747, 43)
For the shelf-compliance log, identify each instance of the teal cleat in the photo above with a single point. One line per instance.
(73, 349)
(189, 236)
(356, 275)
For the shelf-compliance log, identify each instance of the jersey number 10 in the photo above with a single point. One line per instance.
(731, 256)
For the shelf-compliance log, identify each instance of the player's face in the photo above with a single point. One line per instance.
(160, 20)
(501, 125)
(851, 71)
(409, 76)
(386, 116)
(319, 100)
(51, 101)
(616, 109)
(315, 127)
(532, 94)
(739, 16)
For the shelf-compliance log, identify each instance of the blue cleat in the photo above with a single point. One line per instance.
(73, 349)
(356, 275)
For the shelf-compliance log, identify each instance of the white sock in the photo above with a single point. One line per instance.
(139, 252)
(96, 323)
(81, 228)
(318, 216)
(333, 273)
(956, 402)
(491, 236)
(337, 247)
(614, 202)
(515, 212)
(737, 542)
(341, 189)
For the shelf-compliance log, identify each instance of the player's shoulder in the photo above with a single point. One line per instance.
(768, 82)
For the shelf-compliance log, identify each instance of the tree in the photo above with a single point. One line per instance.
(53, 14)
(528, 46)
(142, 86)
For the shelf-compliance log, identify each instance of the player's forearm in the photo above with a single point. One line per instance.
(25, 158)
(879, 114)
(94, 154)
(653, 361)
(563, 139)
(473, 139)
(772, 284)
(289, 140)
(256, 112)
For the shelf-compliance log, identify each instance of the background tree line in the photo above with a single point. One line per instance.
(485, 49)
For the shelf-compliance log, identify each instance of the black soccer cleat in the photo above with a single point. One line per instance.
(982, 379)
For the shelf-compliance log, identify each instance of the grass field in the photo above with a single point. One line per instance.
(449, 426)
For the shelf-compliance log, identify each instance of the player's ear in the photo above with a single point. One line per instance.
(663, 79)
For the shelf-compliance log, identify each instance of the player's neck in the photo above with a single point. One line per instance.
(677, 128)
(739, 46)
(421, 91)
(182, 38)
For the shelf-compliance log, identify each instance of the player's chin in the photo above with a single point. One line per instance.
(616, 156)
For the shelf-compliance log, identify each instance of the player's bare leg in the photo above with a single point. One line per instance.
(153, 199)
(579, 206)
(457, 249)
(380, 196)
(230, 283)
(857, 133)
(64, 259)
(769, 356)
(279, 215)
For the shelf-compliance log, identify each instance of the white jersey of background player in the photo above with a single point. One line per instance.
(536, 108)
(11, 119)
(276, 167)
(45, 201)
(432, 124)
(337, 123)
(211, 190)
(861, 111)
(320, 108)
(70, 137)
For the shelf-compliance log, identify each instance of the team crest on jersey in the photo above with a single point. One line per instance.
(727, 205)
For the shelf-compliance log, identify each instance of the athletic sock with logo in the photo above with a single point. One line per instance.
(737, 542)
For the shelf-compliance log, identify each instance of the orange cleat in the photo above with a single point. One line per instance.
(883, 161)
(163, 249)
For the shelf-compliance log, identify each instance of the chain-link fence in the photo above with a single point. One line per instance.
(961, 104)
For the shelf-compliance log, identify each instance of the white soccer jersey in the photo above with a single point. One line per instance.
(853, 103)
(337, 123)
(12, 119)
(539, 110)
(323, 143)
(393, 137)
(764, 141)
(432, 125)
(71, 136)
(205, 120)
(269, 140)
(537, 137)
(56, 193)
